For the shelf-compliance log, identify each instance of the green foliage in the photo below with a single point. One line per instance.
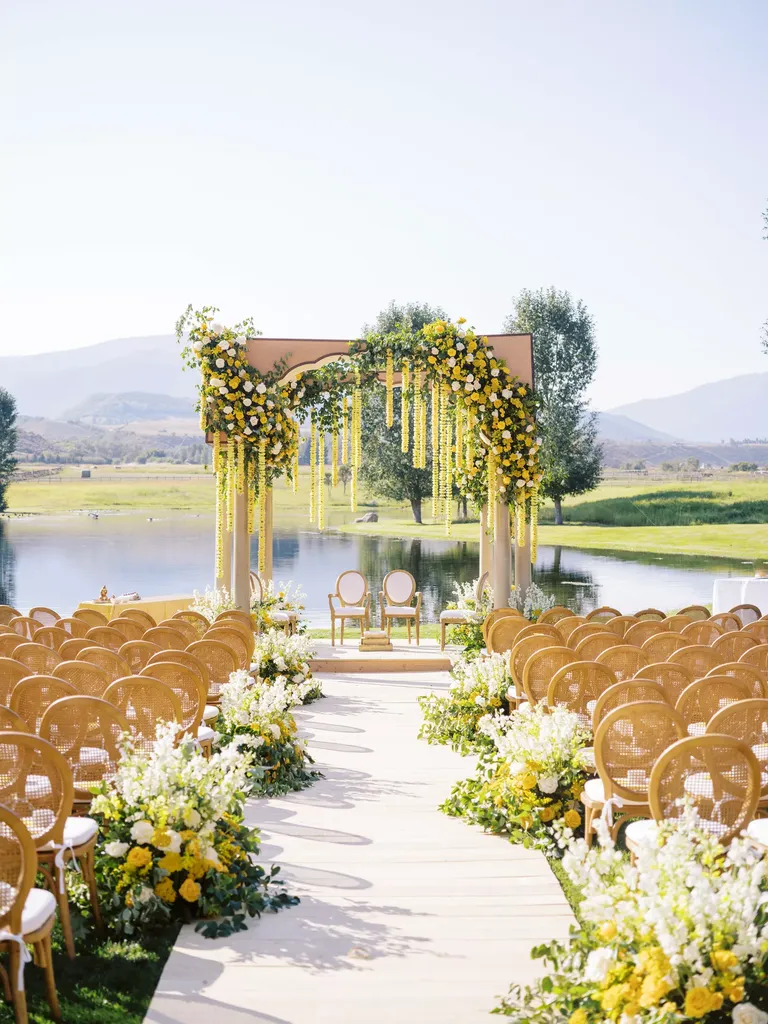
(479, 688)
(571, 458)
(386, 470)
(743, 467)
(7, 443)
(667, 508)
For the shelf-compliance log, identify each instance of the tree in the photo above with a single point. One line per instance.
(345, 475)
(565, 360)
(386, 469)
(7, 443)
(743, 467)
(414, 313)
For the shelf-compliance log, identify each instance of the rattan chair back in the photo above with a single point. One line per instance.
(650, 615)
(167, 639)
(577, 687)
(73, 627)
(757, 657)
(195, 619)
(129, 629)
(243, 627)
(88, 679)
(619, 624)
(676, 623)
(136, 653)
(755, 679)
(91, 617)
(145, 702)
(553, 615)
(188, 687)
(624, 661)
(522, 651)
(50, 636)
(568, 624)
(105, 636)
(602, 614)
(32, 695)
(143, 618)
(220, 662)
(746, 613)
(591, 646)
(718, 774)
(701, 631)
(494, 616)
(7, 614)
(112, 663)
(38, 659)
(659, 647)
(727, 621)
(629, 741)
(25, 626)
(11, 720)
(187, 630)
(245, 618)
(45, 616)
(87, 731)
(697, 612)
(642, 631)
(540, 629)
(35, 784)
(673, 679)
(234, 640)
(18, 871)
(698, 658)
(504, 633)
(703, 698)
(11, 672)
(585, 630)
(631, 691)
(746, 720)
(731, 646)
(541, 667)
(757, 630)
(72, 647)
(184, 658)
(9, 642)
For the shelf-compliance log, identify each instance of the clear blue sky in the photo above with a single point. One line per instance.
(307, 161)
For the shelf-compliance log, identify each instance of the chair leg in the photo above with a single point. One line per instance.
(418, 627)
(408, 623)
(19, 995)
(88, 867)
(333, 631)
(442, 636)
(588, 825)
(45, 960)
(342, 632)
(65, 917)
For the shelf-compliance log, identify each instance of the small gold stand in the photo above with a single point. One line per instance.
(375, 640)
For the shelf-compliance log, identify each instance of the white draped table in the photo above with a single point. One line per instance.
(727, 593)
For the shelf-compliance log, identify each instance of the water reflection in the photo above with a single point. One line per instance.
(61, 561)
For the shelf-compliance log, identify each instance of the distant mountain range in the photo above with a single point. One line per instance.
(141, 382)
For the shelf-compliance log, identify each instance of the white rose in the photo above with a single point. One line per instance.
(538, 440)
(216, 328)
(220, 363)
(215, 382)
(197, 345)
(506, 393)
(175, 844)
(520, 483)
(275, 730)
(529, 428)
(326, 395)
(506, 435)
(254, 420)
(455, 385)
(247, 401)
(298, 678)
(116, 849)
(192, 818)
(222, 390)
(142, 832)
(247, 386)
(451, 362)
(470, 358)
(211, 856)
(270, 404)
(230, 426)
(480, 701)
(548, 784)
(459, 346)
(145, 895)
(478, 385)
(599, 963)
(435, 351)
(277, 448)
(748, 1013)
(227, 409)
(242, 718)
(261, 388)
(468, 387)
(494, 373)
(280, 663)
(248, 430)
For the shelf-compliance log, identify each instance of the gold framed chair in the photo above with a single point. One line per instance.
(143, 618)
(541, 667)
(220, 662)
(91, 616)
(585, 630)
(38, 659)
(145, 702)
(727, 621)
(10, 720)
(673, 679)
(192, 694)
(758, 630)
(757, 657)
(457, 617)
(602, 614)
(187, 630)
(32, 695)
(577, 687)
(188, 660)
(70, 649)
(25, 626)
(50, 636)
(9, 642)
(235, 640)
(493, 616)
(650, 615)
(553, 615)
(703, 698)
(697, 612)
(521, 652)
(128, 628)
(699, 658)
(115, 666)
(89, 680)
(136, 653)
(753, 677)
(353, 602)
(747, 720)
(166, 638)
(620, 624)
(730, 646)
(677, 623)
(568, 624)
(26, 913)
(746, 613)
(505, 632)
(642, 631)
(540, 629)
(701, 631)
(285, 619)
(631, 691)
(45, 616)
(73, 627)
(11, 672)
(624, 661)
(7, 613)
(589, 648)
(398, 589)
(195, 619)
(106, 636)
(659, 647)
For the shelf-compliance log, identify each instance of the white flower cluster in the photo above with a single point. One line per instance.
(466, 600)
(282, 659)
(552, 739)
(212, 602)
(245, 703)
(485, 675)
(533, 600)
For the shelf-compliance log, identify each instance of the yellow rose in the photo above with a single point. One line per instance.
(139, 857)
(528, 781)
(669, 1007)
(723, 959)
(161, 839)
(546, 814)
(171, 863)
(164, 889)
(572, 819)
(607, 931)
(653, 989)
(698, 1002)
(578, 1017)
(526, 821)
(190, 891)
(736, 994)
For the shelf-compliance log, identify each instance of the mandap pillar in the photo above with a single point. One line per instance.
(501, 575)
(266, 575)
(486, 548)
(241, 556)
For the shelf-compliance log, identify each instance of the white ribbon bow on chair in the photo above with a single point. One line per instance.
(24, 958)
(606, 815)
(58, 860)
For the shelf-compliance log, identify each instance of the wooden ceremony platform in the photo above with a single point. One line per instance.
(404, 657)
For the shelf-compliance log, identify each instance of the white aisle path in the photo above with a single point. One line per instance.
(406, 915)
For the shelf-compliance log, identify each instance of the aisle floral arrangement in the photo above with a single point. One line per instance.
(532, 602)
(285, 597)
(469, 635)
(275, 758)
(212, 602)
(172, 841)
(281, 658)
(479, 686)
(681, 936)
(528, 780)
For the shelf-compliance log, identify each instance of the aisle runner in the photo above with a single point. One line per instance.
(406, 915)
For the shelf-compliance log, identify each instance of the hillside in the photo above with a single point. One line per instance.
(621, 428)
(105, 409)
(732, 408)
(617, 453)
(53, 441)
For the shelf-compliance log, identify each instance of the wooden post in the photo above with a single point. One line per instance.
(268, 520)
(502, 556)
(523, 563)
(241, 584)
(224, 582)
(486, 548)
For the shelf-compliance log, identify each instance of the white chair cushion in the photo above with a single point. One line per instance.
(92, 755)
(399, 585)
(453, 615)
(76, 831)
(396, 610)
(210, 712)
(39, 907)
(639, 832)
(205, 734)
(596, 793)
(37, 785)
(349, 609)
(279, 616)
(758, 830)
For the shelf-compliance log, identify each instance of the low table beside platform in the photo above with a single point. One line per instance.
(159, 608)
(727, 593)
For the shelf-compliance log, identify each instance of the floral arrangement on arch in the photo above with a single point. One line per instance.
(480, 686)
(172, 840)
(528, 782)
(284, 660)
(680, 936)
(274, 758)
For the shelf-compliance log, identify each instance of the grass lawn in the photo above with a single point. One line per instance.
(428, 631)
(109, 983)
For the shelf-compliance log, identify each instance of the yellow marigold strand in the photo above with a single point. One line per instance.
(417, 418)
(404, 410)
(252, 500)
(491, 464)
(534, 524)
(520, 521)
(446, 454)
(459, 436)
(262, 505)
(435, 451)
(335, 457)
(220, 506)
(230, 485)
(321, 479)
(390, 388)
(297, 445)
(344, 431)
(240, 455)
(312, 470)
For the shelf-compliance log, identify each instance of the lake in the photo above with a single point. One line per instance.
(60, 561)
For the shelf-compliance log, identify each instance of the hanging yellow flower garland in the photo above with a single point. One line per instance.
(312, 471)
(262, 506)
(335, 457)
(390, 379)
(404, 410)
(321, 479)
(435, 398)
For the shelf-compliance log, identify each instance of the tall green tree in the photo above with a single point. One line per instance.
(386, 470)
(565, 360)
(398, 314)
(7, 443)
